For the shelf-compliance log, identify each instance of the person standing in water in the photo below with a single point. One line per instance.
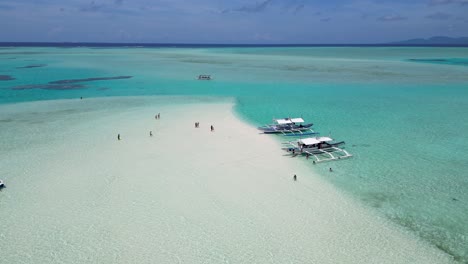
(118, 136)
(295, 177)
(212, 128)
(151, 133)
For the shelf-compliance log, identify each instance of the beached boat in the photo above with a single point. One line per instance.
(204, 77)
(288, 127)
(318, 148)
(2, 184)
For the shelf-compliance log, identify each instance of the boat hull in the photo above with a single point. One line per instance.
(274, 129)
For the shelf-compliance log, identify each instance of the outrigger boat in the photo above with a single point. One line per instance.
(288, 127)
(204, 77)
(319, 148)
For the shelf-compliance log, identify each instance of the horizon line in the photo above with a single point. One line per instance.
(136, 44)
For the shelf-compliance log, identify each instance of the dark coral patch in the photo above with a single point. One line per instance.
(90, 79)
(6, 78)
(31, 66)
(72, 84)
(50, 87)
(452, 61)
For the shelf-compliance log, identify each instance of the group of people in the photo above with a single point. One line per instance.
(158, 116)
(197, 125)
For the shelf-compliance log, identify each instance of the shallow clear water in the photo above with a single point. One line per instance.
(402, 111)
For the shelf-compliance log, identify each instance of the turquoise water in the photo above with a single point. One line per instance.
(402, 111)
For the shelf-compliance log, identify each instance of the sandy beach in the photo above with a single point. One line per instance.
(184, 195)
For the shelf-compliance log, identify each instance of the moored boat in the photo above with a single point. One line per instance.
(2, 184)
(204, 77)
(288, 126)
(318, 148)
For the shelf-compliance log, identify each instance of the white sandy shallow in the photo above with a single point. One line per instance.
(185, 195)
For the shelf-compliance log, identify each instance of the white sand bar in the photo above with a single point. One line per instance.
(185, 195)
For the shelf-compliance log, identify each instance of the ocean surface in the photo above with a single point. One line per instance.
(403, 111)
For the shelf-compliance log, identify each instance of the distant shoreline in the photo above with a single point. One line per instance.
(198, 45)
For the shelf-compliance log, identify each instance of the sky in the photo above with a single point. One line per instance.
(231, 22)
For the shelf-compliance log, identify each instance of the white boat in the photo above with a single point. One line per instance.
(318, 148)
(204, 77)
(2, 184)
(289, 127)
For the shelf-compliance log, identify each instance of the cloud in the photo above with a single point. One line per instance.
(263, 37)
(56, 30)
(255, 8)
(92, 7)
(441, 2)
(258, 7)
(6, 7)
(391, 18)
(291, 6)
(438, 16)
(447, 2)
(113, 7)
(461, 18)
(298, 8)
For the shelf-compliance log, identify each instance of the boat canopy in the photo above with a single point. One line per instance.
(309, 141)
(297, 120)
(312, 141)
(324, 139)
(285, 121)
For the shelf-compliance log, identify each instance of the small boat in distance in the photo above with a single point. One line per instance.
(288, 127)
(204, 77)
(319, 148)
(2, 184)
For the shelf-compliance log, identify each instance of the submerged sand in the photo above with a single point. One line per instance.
(185, 195)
